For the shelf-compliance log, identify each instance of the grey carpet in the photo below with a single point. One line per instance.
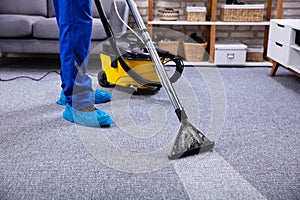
(261, 135)
(256, 154)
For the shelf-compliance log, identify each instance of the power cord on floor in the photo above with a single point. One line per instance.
(34, 79)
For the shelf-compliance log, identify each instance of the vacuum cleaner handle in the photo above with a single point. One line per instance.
(113, 43)
(157, 62)
(189, 140)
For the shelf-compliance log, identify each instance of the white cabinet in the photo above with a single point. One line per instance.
(282, 45)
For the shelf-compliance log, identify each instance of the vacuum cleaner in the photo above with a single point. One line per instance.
(135, 71)
(189, 140)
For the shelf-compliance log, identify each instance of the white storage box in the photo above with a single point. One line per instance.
(230, 53)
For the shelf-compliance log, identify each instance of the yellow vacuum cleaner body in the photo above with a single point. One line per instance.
(114, 74)
(133, 68)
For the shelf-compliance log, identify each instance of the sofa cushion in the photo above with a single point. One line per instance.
(17, 25)
(26, 7)
(107, 4)
(46, 28)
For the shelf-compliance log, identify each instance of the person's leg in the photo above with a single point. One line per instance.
(75, 25)
(80, 35)
(74, 19)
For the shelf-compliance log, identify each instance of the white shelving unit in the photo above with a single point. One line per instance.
(248, 64)
(212, 23)
(208, 23)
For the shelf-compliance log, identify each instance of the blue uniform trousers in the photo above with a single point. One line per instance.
(74, 18)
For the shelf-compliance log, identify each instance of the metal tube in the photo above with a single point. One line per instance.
(154, 56)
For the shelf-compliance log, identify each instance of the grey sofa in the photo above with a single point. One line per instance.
(29, 26)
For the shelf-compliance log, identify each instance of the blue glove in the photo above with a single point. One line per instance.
(98, 96)
(94, 118)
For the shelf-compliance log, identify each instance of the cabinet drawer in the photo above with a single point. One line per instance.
(280, 33)
(278, 52)
(294, 59)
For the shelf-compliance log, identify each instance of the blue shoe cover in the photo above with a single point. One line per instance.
(98, 96)
(101, 96)
(62, 99)
(95, 118)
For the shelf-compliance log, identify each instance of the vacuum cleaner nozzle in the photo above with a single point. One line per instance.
(189, 141)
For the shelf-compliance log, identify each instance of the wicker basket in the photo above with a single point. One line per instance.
(196, 14)
(168, 14)
(194, 52)
(254, 53)
(242, 13)
(170, 46)
(254, 57)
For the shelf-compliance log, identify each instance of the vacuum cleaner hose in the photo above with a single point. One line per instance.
(177, 60)
(113, 43)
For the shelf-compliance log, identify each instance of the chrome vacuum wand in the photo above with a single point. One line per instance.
(157, 62)
(189, 140)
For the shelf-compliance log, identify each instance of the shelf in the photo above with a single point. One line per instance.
(262, 64)
(209, 64)
(208, 23)
(263, 23)
(159, 22)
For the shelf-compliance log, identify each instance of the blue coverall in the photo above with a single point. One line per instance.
(74, 19)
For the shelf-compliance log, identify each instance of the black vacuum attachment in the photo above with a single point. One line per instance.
(189, 141)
